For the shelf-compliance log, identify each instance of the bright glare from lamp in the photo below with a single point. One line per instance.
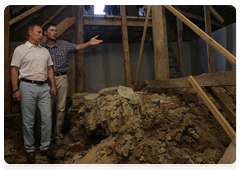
(98, 9)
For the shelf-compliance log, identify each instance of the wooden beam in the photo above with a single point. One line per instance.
(113, 21)
(227, 78)
(180, 46)
(64, 25)
(230, 113)
(231, 58)
(17, 8)
(23, 15)
(229, 156)
(216, 14)
(160, 44)
(25, 22)
(7, 86)
(222, 121)
(115, 17)
(141, 86)
(142, 46)
(80, 71)
(208, 30)
(126, 48)
(73, 60)
(198, 18)
(54, 15)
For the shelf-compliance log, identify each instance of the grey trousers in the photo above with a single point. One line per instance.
(32, 95)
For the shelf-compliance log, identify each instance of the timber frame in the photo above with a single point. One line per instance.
(162, 79)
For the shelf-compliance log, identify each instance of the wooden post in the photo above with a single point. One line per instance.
(126, 48)
(7, 86)
(142, 45)
(73, 61)
(180, 47)
(231, 58)
(208, 30)
(222, 121)
(160, 42)
(80, 55)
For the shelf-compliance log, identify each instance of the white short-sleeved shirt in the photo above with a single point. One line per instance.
(32, 61)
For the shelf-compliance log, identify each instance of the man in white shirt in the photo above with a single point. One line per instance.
(32, 64)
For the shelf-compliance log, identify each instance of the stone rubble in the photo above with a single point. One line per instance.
(118, 125)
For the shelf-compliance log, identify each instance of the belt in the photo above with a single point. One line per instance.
(34, 81)
(60, 74)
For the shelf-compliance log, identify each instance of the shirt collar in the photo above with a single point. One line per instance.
(29, 45)
(55, 45)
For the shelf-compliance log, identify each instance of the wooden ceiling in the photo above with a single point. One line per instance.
(112, 33)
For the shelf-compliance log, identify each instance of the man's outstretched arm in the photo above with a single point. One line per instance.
(93, 41)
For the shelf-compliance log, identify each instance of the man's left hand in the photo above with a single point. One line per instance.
(94, 41)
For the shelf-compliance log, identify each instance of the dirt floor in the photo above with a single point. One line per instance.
(119, 126)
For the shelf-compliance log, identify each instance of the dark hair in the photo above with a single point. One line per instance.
(45, 28)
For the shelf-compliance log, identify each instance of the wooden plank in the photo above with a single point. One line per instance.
(17, 8)
(230, 113)
(208, 30)
(7, 86)
(102, 21)
(198, 18)
(127, 67)
(80, 72)
(222, 121)
(116, 17)
(227, 78)
(54, 15)
(160, 44)
(23, 15)
(180, 47)
(142, 46)
(25, 22)
(73, 60)
(231, 58)
(229, 156)
(64, 25)
(216, 14)
(141, 86)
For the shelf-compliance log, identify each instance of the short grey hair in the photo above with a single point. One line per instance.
(30, 28)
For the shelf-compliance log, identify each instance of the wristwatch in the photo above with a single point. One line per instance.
(13, 91)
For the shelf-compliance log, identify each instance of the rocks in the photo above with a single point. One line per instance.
(7, 152)
(90, 101)
(127, 93)
(60, 153)
(109, 91)
(119, 126)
